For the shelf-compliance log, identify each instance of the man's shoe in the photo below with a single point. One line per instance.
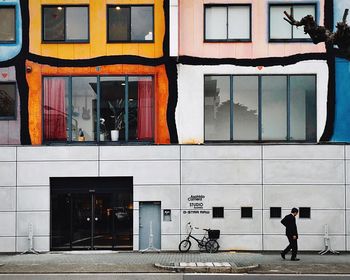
(283, 255)
(295, 259)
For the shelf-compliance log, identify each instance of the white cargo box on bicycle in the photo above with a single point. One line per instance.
(208, 242)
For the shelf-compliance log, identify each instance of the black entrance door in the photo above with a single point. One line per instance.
(86, 218)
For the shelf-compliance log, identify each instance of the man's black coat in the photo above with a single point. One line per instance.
(291, 227)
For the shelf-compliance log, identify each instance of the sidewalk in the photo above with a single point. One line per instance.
(124, 262)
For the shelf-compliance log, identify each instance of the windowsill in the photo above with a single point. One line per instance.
(228, 41)
(290, 41)
(93, 143)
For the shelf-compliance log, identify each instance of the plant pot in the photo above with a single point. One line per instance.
(114, 135)
(102, 137)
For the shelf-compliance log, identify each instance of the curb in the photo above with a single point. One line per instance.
(191, 269)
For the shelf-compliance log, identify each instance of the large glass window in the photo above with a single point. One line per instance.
(7, 24)
(130, 23)
(98, 109)
(227, 22)
(7, 101)
(281, 30)
(260, 108)
(66, 23)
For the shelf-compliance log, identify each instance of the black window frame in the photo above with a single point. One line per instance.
(272, 213)
(14, 24)
(303, 211)
(221, 210)
(98, 99)
(244, 215)
(14, 117)
(259, 95)
(292, 4)
(65, 41)
(227, 40)
(109, 41)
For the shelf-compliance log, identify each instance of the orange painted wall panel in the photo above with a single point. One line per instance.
(34, 79)
(98, 45)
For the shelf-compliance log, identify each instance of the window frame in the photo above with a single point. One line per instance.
(109, 41)
(14, 24)
(98, 114)
(292, 4)
(65, 41)
(14, 117)
(205, 40)
(259, 95)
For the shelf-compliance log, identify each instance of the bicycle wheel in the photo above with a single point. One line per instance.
(212, 246)
(184, 245)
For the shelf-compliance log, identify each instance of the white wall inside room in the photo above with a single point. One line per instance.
(190, 108)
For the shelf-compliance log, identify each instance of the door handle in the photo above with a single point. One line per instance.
(88, 219)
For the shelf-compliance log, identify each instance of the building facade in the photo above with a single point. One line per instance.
(123, 118)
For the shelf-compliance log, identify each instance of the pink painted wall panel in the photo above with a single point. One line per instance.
(191, 33)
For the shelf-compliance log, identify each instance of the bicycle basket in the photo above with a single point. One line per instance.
(214, 234)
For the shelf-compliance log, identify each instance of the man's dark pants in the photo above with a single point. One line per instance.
(293, 245)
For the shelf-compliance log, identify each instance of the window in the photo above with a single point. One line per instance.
(275, 212)
(227, 22)
(7, 24)
(98, 109)
(260, 108)
(281, 30)
(246, 212)
(8, 101)
(218, 212)
(65, 24)
(304, 212)
(130, 23)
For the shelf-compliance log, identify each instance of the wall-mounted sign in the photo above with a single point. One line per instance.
(196, 212)
(196, 201)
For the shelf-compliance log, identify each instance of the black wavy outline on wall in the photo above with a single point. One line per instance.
(171, 69)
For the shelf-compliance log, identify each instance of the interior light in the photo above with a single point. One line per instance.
(117, 8)
(123, 84)
(59, 8)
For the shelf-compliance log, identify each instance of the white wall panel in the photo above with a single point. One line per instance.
(347, 162)
(39, 220)
(40, 243)
(164, 152)
(33, 198)
(228, 196)
(7, 223)
(7, 244)
(7, 153)
(39, 173)
(304, 172)
(240, 242)
(173, 226)
(303, 152)
(143, 172)
(7, 198)
(190, 112)
(169, 195)
(221, 172)
(170, 242)
(314, 196)
(220, 152)
(55, 153)
(7, 174)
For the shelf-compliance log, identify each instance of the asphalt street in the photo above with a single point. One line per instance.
(168, 276)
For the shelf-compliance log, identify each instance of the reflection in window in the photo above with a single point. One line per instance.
(227, 22)
(252, 107)
(7, 24)
(62, 23)
(130, 23)
(217, 107)
(282, 30)
(7, 101)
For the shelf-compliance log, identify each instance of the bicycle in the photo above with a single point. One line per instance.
(208, 241)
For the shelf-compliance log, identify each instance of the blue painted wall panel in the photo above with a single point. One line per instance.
(8, 51)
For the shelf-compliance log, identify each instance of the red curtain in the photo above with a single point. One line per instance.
(145, 112)
(54, 110)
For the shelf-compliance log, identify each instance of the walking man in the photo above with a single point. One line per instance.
(292, 234)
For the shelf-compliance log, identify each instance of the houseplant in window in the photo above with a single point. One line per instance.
(118, 116)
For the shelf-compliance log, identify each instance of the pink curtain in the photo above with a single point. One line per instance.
(54, 110)
(145, 112)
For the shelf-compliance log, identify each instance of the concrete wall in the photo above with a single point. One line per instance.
(229, 176)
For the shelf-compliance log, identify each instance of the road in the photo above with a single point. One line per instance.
(168, 276)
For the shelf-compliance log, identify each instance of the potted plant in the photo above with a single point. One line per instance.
(118, 119)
